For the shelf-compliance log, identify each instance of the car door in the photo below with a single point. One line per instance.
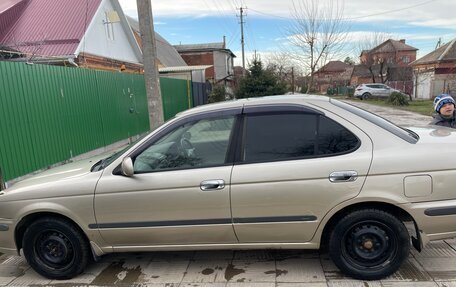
(294, 166)
(179, 193)
(384, 90)
(374, 90)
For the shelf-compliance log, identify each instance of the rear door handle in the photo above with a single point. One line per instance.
(343, 176)
(213, 184)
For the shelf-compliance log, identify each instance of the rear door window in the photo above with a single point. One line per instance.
(289, 136)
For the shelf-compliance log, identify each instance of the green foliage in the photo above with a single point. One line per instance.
(260, 82)
(349, 61)
(398, 99)
(218, 94)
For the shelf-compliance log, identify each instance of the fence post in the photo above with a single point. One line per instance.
(2, 183)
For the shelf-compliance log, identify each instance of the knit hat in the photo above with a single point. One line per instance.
(442, 99)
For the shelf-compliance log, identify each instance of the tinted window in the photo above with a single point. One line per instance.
(334, 138)
(279, 136)
(201, 143)
(289, 136)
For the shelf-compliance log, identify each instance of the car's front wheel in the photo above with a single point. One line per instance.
(55, 248)
(369, 244)
(366, 96)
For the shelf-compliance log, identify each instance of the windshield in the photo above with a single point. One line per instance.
(101, 164)
(402, 133)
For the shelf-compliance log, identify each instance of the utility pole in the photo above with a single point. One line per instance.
(151, 77)
(242, 38)
(292, 80)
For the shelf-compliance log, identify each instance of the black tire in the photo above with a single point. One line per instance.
(55, 248)
(366, 96)
(369, 244)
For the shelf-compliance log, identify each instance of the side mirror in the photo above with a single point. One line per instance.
(127, 167)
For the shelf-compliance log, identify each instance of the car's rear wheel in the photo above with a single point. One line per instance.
(369, 244)
(366, 96)
(55, 248)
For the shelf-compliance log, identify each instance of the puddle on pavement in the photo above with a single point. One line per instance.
(11, 271)
(230, 272)
(277, 272)
(409, 272)
(117, 274)
(207, 271)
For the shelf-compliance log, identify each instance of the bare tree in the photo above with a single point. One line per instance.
(284, 66)
(319, 31)
(376, 66)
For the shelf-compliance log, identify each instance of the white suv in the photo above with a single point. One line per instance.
(366, 91)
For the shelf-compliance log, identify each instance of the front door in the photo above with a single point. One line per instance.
(179, 193)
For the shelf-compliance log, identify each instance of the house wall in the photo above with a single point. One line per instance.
(401, 54)
(444, 83)
(395, 57)
(101, 63)
(223, 65)
(108, 40)
(422, 83)
(207, 58)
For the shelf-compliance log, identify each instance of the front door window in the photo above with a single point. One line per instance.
(197, 144)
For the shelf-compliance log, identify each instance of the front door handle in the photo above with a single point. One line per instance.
(213, 184)
(343, 176)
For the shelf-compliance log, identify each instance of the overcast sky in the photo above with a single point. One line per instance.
(420, 22)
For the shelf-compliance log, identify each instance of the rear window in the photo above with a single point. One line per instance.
(402, 133)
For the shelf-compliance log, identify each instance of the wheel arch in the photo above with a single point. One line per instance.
(394, 210)
(28, 219)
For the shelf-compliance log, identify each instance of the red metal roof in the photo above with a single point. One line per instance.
(7, 4)
(50, 27)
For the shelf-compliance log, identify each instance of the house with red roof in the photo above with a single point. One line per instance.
(387, 63)
(86, 33)
(331, 75)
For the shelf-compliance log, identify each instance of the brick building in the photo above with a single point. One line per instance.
(390, 52)
(387, 63)
(331, 75)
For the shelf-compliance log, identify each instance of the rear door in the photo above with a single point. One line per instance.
(293, 167)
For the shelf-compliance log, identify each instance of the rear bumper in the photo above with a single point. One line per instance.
(358, 94)
(436, 220)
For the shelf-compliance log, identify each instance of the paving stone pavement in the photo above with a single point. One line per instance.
(435, 266)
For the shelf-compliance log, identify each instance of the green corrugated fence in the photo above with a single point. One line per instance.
(176, 95)
(49, 114)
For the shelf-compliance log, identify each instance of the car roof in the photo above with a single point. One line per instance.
(269, 100)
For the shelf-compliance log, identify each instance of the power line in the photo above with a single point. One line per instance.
(251, 35)
(220, 13)
(267, 14)
(354, 18)
(233, 38)
(392, 11)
